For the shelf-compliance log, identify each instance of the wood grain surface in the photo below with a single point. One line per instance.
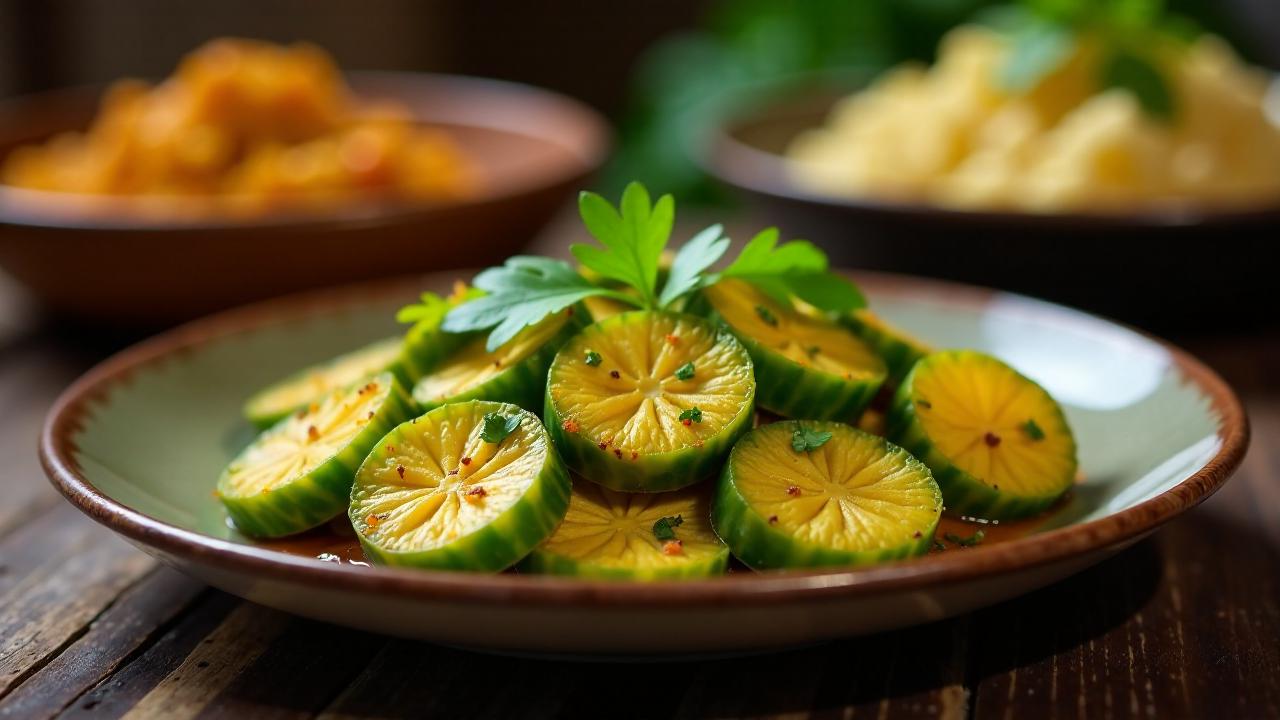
(1184, 624)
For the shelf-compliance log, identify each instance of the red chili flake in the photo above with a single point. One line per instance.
(453, 471)
(466, 461)
(793, 491)
(916, 535)
(476, 494)
(603, 445)
(634, 455)
(391, 448)
(672, 339)
(672, 547)
(687, 422)
(312, 433)
(400, 471)
(570, 426)
(773, 519)
(372, 521)
(848, 376)
(497, 363)
(370, 414)
(569, 311)
(614, 374)
(617, 452)
(991, 439)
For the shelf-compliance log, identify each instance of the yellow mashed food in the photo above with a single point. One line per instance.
(253, 124)
(950, 135)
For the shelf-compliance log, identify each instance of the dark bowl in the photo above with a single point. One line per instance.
(102, 259)
(1173, 270)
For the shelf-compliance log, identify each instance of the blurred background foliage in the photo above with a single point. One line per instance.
(683, 82)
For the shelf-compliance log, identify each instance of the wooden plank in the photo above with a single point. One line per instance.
(44, 535)
(53, 605)
(134, 620)
(119, 692)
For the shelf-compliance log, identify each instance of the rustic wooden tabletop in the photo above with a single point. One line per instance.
(1184, 624)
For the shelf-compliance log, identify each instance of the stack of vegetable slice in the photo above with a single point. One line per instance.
(651, 408)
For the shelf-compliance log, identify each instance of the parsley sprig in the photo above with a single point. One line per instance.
(631, 239)
(665, 528)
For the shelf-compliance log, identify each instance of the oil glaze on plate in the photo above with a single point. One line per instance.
(138, 443)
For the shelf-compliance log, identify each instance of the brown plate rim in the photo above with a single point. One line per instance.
(57, 455)
(590, 147)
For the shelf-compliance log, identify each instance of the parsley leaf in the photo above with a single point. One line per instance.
(665, 528)
(1128, 71)
(431, 308)
(796, 268)
(521, 293)
(633, 237)
(690, 264)
(497, 427)
(1039, 48)
(1032, 430)
(970, 541)
(693, 414)
(593, 358)
(685, 371)
(805, 440)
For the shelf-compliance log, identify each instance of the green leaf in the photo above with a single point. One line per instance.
(632, 238)
(497, 427)
(431, 308)
(805, 440)
(797, 268)
(693, 414)
(698, 254)
(1127, 71)
(685, 371)
(665, 528)
(970, 541)
(1038, 48)
(827, 291)
(521, 293)
(593, 358)
(1032, 430)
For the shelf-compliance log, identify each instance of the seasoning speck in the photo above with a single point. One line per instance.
(476, 494)
(773, 519)
(793, 491)
(312, 433)
(672, 547)
(766, 316)
(570, 426)
(466, 461)
(400, 471)
(991, 439)
(614, 374)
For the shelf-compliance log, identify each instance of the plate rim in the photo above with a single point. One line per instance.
(65, 420)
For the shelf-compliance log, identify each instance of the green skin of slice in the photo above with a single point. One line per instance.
(545, 563)
(318, 496)
(965, 495)
(264, 410)
(520, 384)
(504, 541)
(789, 389)
(652, 472)
(762, 546)
(899, 353)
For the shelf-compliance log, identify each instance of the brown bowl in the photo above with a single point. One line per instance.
(99, 259)
(1172, 269)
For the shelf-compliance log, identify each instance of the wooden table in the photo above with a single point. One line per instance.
(1185, 624)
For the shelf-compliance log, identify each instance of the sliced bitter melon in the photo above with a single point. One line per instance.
(998, 444)
(439, 492)
(855, 499)
(806, 366)
(297, 474)
(299, 390)
(515, 373)
(648, 401)
(899, 350)
(632, 536)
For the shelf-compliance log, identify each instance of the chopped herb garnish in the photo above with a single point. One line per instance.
(938, 547)
(593, 358)
(497, 427)
(665, 528)
(805, 440)
(685, 371)
(812, 351)
(924, 404)
(692, 415)
(970, 541)
(1032, 430)
(766, 316)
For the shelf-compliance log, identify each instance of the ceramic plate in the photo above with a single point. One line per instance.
(138, 443)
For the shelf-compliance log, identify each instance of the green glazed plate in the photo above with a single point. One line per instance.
(138, 443)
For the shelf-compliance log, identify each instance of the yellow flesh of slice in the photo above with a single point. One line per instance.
(615, 530)
(429, 505)
(970, 398)
(805, 340)
(304, 441)
(849, 494)
(344, 371)
(640, 409)
(472, 365)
